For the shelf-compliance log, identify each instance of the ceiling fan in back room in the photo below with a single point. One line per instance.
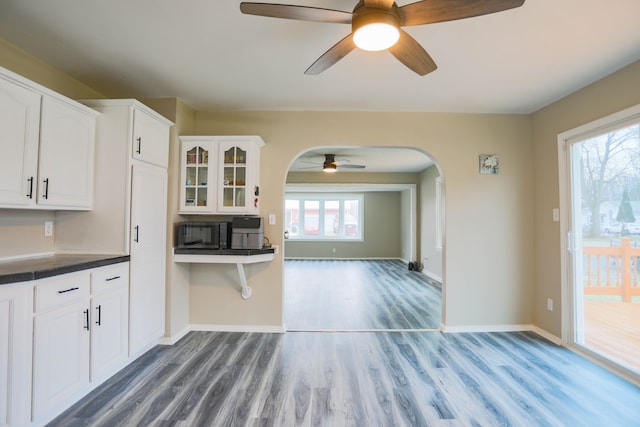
(330, 164)
(376, 25)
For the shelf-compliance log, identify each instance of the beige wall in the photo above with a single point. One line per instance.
(430, 255)
(381, 233)
(489, 219)
(607, 96)
(493, 275)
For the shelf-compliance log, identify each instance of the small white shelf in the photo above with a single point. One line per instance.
(238, 260)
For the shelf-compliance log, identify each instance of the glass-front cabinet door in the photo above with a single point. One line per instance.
(235, 178)
(196, 195)
(239, 160)
(219, 174)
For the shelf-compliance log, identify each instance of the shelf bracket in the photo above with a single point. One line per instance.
(246, 290)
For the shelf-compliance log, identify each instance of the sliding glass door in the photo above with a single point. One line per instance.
(604, 240)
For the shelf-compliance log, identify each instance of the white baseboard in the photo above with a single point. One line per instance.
(432, 276)
(502, 328)
(238, 328)
(546, 335)
(486, 328)
(290, 258)
(171, 340)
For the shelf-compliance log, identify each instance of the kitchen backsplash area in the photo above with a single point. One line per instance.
(22, 233)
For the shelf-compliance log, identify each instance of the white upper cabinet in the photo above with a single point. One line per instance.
(220, 174)
(46, 155)
(66, 156)
(150, 139)
(20, 124)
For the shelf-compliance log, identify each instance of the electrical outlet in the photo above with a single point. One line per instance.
(549, 304)
(334, 250)
(272, 219)
(48, 228)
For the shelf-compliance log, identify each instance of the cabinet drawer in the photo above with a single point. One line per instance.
(108, 278)
(60, 290)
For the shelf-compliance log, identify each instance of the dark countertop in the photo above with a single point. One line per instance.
(37, 268)
(241, 252)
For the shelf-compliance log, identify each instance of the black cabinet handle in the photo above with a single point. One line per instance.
(68, 290)
(86, 325)
(112, 278)
(137, 228)
(46, 188)
(139, 139)
(99, 309)
(30, 195)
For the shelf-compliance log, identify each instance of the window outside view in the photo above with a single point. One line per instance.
(323, 217)
(608, 293)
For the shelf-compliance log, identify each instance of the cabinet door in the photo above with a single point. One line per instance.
(237, 188)
(147, 272)
(67, 137)
(109, 343)
(20, 124)
(150, 139)
(16, 304)
(197, 160)
(60, 356)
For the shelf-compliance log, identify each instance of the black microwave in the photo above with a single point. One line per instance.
(203, 235)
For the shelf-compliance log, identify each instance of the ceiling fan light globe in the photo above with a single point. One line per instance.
(376, 36)
(329, 167)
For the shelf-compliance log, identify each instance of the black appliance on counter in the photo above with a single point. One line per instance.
(247, 233)
(203, 235)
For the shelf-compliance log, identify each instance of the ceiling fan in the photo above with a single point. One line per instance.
(330, 164)
(375, 25)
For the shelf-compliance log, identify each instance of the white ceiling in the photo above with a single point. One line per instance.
(214, 58)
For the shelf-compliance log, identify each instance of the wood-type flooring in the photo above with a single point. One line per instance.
(359, 379)
(359, 295)
(384, 378)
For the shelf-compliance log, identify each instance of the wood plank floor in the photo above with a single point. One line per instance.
(359, 295)
(613, 329)
(359, 379)
(402, 378)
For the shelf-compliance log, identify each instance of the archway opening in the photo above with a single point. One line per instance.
(364, 246)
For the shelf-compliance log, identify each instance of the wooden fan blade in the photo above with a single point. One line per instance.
(430, 11)
(302, 13)
(380, 4)
(408, 51)
(333, 55)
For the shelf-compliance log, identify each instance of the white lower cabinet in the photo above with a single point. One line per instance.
(110, 321)
(80, 335)
(16, 305)
(61, 341)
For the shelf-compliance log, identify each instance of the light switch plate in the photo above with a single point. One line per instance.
(272, 219)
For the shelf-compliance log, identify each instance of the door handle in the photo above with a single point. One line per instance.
(99, 309)
(139, 139)
(46, 188)
(86, 314)
(136, 238)
(30, 195)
